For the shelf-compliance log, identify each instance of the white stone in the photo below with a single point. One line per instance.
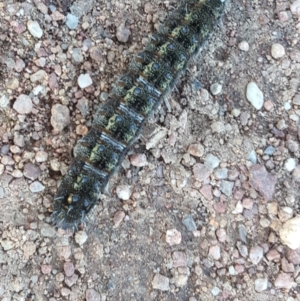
(123, 192)
(84, 80)
(215, 89)
(181, 280)
(290, 164)
(277, 51)
(81, 237)
(173, 237)
(261, 284)
(35, 29)
(255, 95)
(290, 233)
(4, 101)
(161, 282)
(287, 106)
(295, 7)
(215, 291)
(244, 46)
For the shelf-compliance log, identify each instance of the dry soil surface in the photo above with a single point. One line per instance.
(201, 205)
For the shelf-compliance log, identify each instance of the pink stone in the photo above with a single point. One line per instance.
(206, 190)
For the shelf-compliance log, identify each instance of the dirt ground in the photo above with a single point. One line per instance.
(211, 182)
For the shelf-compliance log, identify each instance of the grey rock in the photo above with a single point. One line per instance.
(189, 223)
(221, 173)
(36, 187)
(270, 150)
(92, 295)
(256, 254)
(60, 117)
(211, 161)
(83, 106)
(72, 21)
(77, 56)
(23, 104)
(31, 171)
(123, 33)
(47, 230)
(161, 282)
(226, 187)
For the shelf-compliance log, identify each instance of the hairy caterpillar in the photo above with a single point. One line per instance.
(134, 96)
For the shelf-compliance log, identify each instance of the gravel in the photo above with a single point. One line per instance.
(207, 210)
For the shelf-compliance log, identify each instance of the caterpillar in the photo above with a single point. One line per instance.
(134, 96)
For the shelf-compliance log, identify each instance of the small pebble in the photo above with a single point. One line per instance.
(17, 173)
(173, 237)
(284, 281)
(31, 171)
(46, 268)
(34, 29)
(69, 269)
(81, 237)
(60, 117)
(215, 89)
(123, 33)
(118, 218)
(47, 230)
(123, 192)
(23, 104)
(290, 233)
(215, 291)
(290, 164)
(181, 280)
(252, 157)
(277, 51)
(72, 21)
(84, 80)
(221, 173)
(255, 95)
(4, 102)
(6, 244)
(39, 76)
(77, 56)
(211, 161)
(92, 295)
(261, 284)
(269, 150)
(189, 223)
(226, 187)
(196, 150)
(215, 252)
(161, 282)
(256, 254)
(295, 8)
(217, 127)
(36, 187)
(138, 160)
(179, 259)
(244, 46)
(41, 156)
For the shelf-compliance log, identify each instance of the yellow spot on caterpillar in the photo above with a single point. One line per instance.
(70, 199)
